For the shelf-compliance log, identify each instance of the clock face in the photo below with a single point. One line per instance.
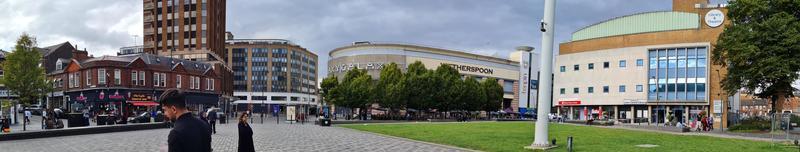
(714, 18)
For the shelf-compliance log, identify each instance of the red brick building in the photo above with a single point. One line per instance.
(122, 83)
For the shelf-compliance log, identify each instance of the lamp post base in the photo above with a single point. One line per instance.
(541, 147)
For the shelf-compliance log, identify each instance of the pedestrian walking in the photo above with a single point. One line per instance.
(245, 134)
(704, 121)
(710, 123)
(189, 133)
(212, 120)
(27, 116)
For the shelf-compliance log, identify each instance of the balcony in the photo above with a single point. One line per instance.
(149, 31)
(149, 44)
(149, 18)
(149, 5)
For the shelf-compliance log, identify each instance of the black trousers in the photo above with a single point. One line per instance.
(213, 126)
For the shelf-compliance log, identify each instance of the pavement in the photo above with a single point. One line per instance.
(268, 136)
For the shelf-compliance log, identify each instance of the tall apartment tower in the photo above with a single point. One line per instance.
(189, 29)
(186, 29)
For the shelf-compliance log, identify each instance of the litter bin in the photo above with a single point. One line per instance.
(325, 122)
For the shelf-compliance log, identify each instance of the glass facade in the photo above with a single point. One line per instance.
(279, 70)
(258, 69)
(239, 63)
(272, 69)
(677, 74)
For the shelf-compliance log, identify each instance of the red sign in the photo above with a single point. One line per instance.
(569, 102)
(116, 96)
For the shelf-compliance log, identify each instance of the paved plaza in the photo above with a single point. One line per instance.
(268, 137)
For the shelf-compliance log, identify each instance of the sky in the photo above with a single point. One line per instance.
(486, 27)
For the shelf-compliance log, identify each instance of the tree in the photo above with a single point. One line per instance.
(356, 90)
(761, 48)
(449, 88)
(494, 95)
(390, 88)
(23, 75)
(419, 86)
(328, 87)
(472, 95)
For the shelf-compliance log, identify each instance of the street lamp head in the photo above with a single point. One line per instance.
(525, 48)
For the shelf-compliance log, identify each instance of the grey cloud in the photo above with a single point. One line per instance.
(477, 26)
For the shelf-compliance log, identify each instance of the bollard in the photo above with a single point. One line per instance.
(569, 144)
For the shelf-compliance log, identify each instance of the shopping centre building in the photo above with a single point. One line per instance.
(644, 67)
(373, 56)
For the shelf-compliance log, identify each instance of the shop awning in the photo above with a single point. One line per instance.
(143, 103)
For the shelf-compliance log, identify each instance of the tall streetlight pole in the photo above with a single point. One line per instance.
(546, 62)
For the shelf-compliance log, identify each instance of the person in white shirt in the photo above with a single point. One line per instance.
(27, 116)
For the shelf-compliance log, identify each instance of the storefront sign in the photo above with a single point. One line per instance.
(634, 102)
(569, 101)
(81, 97)
(141, 97)
(116, 96)
(367, 66)
(714, 18)
(468, 68)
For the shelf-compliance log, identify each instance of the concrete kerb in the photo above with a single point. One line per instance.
(411, 140)
(687, 134)
(80, 131)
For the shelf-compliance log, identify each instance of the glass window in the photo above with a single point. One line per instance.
(133, 77)
(639, 88)
(101, 76)
(590, 90)
(591, 66)
(563, 91)
(605, 65)
(508, 86)
(142, 78)
(605, 89)
(639, 62)
(178, 81)
(563, 68)
(117, 76)
(622, 63)
(701, 62)
(575, 90)
(622, 88)
(576, 67)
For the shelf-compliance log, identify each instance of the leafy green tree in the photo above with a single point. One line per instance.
(473, 95)
(449, 89)
(494, 95)
(328, 87)
(761, 48)
(23, 75)
(419, 86)
(390, 88)
(356, 90)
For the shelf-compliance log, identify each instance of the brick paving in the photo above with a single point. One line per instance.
(268, 137)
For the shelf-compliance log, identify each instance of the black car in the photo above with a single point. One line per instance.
(141, 118)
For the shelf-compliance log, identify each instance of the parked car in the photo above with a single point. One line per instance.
(141, 118)
(35, 109)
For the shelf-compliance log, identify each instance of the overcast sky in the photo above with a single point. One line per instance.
(488, 27)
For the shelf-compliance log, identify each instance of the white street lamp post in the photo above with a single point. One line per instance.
(545, 81)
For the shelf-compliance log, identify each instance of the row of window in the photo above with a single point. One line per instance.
(138, 78)
(606, 65)
(622, 89)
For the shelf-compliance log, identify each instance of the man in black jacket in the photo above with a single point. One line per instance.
(212, 120)
(189, 134)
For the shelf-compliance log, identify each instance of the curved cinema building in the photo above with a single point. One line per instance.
(373, 56)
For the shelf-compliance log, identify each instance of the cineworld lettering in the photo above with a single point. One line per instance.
(472, 69)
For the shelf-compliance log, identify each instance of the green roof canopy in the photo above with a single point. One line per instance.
(639, 23)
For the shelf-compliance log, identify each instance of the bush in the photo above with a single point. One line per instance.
(754, 123)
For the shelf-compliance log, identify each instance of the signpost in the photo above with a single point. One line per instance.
(290, 113)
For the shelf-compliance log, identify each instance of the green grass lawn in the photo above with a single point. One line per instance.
(513, 136)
